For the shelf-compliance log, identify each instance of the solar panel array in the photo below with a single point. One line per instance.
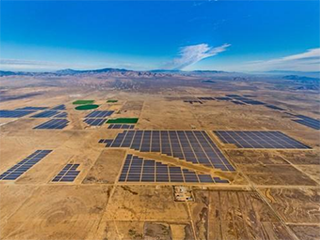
(15, 113)
(95, 121)
(61, 115)
(193, 146)
(67, 174)
(237, 102)
(53, 124)
(24, 165)
(97, 118)
(120, 126)
(99, 114)
(224, 98)
(46, 114)
(308, 121)
(259, 139)
(136, 169)
(59, 107)
(274, 107)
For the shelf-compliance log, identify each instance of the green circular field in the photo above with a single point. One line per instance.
(87, 107)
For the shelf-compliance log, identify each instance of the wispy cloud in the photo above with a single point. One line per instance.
(192, 54)
(306, 61)
(29, 65)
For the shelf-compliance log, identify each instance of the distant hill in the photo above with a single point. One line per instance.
(300, 78)
(115, 71)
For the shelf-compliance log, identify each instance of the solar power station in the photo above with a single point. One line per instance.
(137, 169)
(308, 121)
(67, 174)
(24, 165)
(259, 139)
(15, 113)
(193, 146)
(97, 118)
(120, 126)
(53, 124)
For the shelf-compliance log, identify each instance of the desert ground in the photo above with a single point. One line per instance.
(272, 194)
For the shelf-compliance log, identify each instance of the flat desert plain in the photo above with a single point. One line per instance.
(89, 185)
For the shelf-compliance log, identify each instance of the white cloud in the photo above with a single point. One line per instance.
(306, 61)
(192, 54)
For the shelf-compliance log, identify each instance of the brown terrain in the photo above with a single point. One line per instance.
(274, 194)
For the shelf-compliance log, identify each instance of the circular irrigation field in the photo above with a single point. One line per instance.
(87, 107)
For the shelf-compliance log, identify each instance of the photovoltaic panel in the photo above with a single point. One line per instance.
(224, 98)
(24, 165)
(193, 146)
(95, 121)
(237, 102)
(46, 114)
(259, 139)
(67, 174)
(15, 113)
(53, 124)
(274, 107)
(308, 121)
(61, 115)
(59, 107)
(137, 169)
(99, 114)
(120, 126)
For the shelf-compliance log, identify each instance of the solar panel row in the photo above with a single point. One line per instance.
(99, 114)
(59, 107)
(61, 115)
(46, 114)
(136, 169)
(206, 98)
(95, 121)
(67, 174)
(259, 139)
(308, 121)
(15, 113)
(237, 102)
(53, 124)
(248, 100)
(274, 107)
(24, 165)
(193, 146)
(120, 126)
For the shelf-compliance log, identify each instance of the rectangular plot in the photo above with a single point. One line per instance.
(46, 114)
(99, 114)
(260, 139)
(53, 124)
(67, 174)
(59, 107)
(14, 113)
(24, 165)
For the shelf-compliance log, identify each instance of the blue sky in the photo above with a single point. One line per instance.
(142, 35)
